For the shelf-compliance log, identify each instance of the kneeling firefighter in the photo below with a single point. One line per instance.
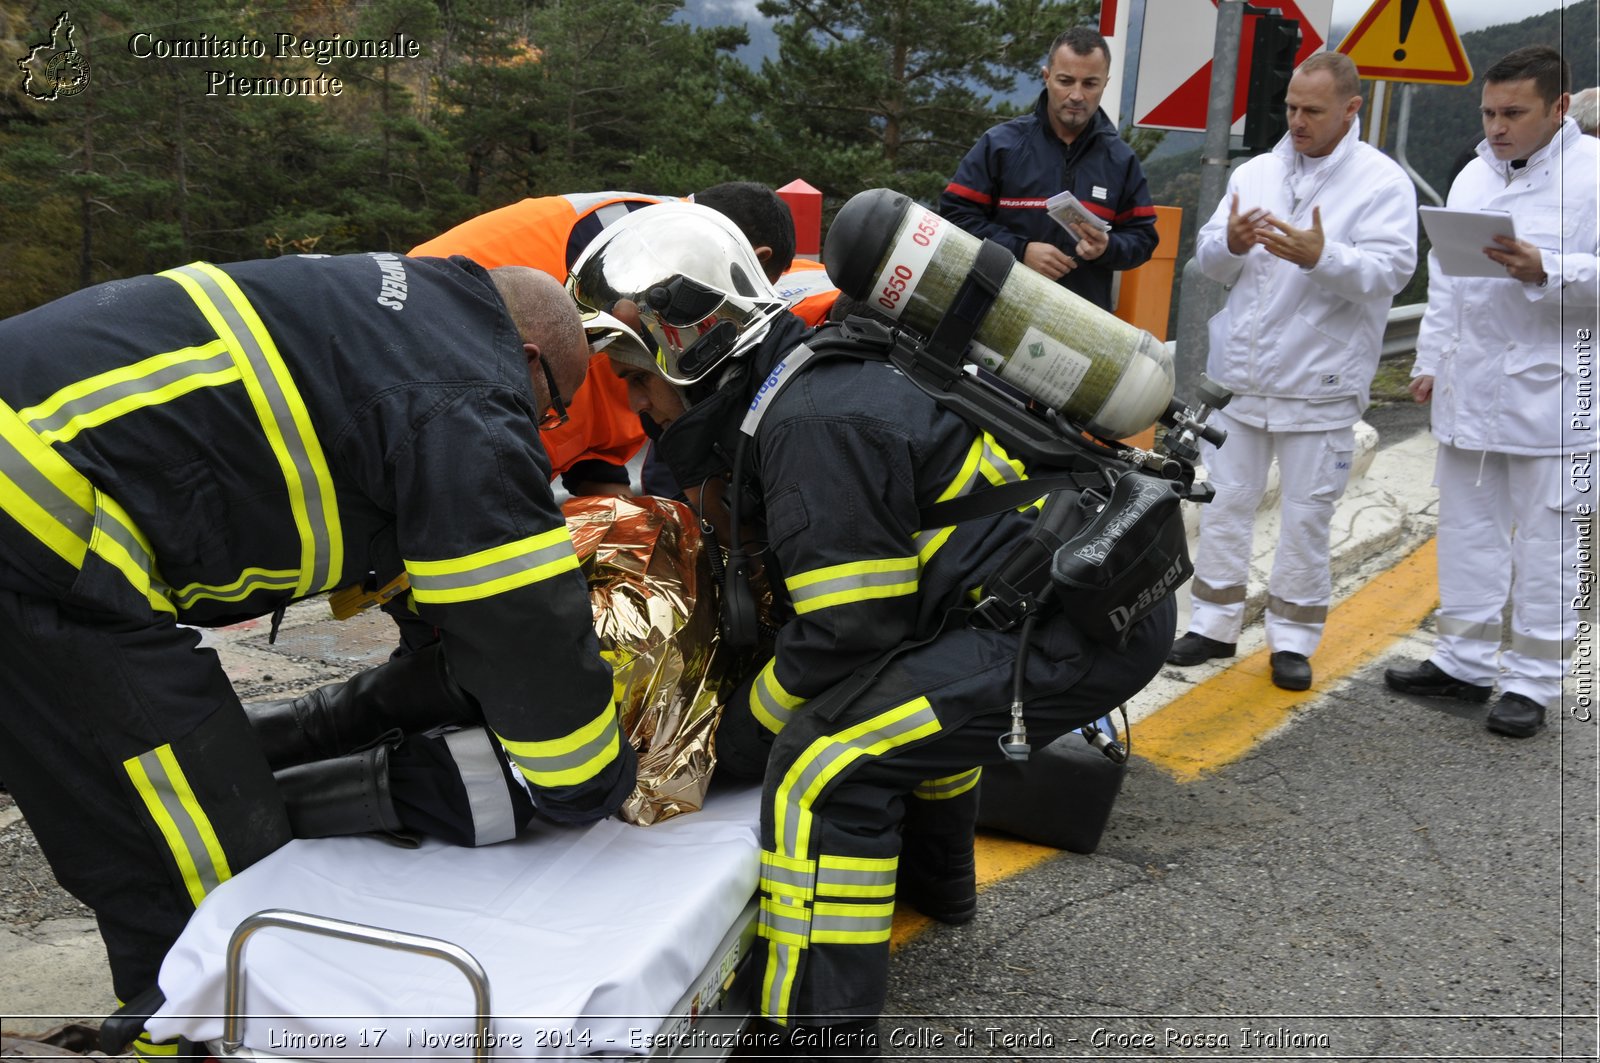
(896, 663)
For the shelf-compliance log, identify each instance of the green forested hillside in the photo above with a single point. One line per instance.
(164, 158)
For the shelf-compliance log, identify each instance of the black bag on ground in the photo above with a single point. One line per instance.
(1060, 796)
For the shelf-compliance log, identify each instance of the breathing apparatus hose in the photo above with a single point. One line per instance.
(1014, 743)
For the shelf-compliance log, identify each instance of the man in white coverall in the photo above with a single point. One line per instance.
(1314, 238)
(1508, 362)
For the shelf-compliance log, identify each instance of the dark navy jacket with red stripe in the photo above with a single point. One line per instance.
(1000, 188)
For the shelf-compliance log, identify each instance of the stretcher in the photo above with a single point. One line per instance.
(606, 940)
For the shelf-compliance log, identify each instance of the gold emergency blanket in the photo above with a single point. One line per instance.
(655, 612)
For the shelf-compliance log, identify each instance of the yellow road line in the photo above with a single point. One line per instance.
(998, 858)
(1223, 718)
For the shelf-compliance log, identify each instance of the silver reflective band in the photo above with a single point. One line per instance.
(1485, 631)
(279, 422)
(1542, 649)
(40, 490)
(126, 392)
(426, 586)
(823, 766)
(536, 766)
(1298, 614)
(1205, 592)
(493, 817)
(842, 882)
(952, 786)
(855, 581)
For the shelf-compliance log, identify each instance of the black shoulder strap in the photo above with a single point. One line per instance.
(971, 303)
(999, 499)
(858, 337)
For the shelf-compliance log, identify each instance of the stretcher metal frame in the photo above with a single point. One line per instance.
(707, 1018)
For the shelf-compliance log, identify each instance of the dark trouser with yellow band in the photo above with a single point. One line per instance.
(841, 774)
(127, 752)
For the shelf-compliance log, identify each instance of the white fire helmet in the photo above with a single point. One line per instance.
(701, 293)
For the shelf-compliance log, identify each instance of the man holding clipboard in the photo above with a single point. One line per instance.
(1501, 356)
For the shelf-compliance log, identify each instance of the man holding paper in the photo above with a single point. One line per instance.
(1507, 361)
(1313, 240)
(1003, 188)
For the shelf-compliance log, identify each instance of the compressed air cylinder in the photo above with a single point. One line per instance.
(906, 262)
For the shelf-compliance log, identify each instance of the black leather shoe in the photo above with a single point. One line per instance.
(1431, 681)
(1515, 716)
(1290, 671)
(1196, 649)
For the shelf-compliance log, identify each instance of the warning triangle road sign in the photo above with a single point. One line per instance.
(1408, 40)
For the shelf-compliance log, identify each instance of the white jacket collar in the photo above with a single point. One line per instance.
(1284, 148)
(1567, 133)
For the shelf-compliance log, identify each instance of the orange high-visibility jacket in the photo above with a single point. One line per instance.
(549, 233)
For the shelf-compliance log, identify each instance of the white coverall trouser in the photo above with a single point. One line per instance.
(1313, 470)
(1508, 526)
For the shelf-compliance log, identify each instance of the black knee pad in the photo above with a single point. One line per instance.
(459, 787)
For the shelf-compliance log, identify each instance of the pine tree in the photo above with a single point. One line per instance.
(895, 91)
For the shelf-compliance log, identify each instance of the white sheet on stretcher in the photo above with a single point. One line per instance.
(589, 936)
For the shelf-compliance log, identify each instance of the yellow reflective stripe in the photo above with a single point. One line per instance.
(144, 1047)
(853, 581)
(249, 581)
(495, 570)
(998, 466)
(777, 886)
(983, 451)
(829, 755)
(848, 876)
(42, 492)
(851, 924)
(985, 457)
(799, 865)
(772, 705)
(167, 796)
(873, 865)
(825, 935)
(784, 876)
(60, 507)
(928, 545)
(948, 787)
(120, 542)
(571, 759)
(95, 400)
(777, 983)
(968, 473)
(284, 419)
(789, 923)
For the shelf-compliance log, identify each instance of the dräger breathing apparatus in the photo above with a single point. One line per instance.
(1056, 380)
(1052, 377)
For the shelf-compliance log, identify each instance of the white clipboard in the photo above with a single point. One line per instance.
(1459, 237)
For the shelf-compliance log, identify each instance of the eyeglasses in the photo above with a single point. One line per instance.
(556, 416)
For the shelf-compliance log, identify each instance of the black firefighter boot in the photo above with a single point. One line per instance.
(411, 693)
(937, 875)
(344, 795)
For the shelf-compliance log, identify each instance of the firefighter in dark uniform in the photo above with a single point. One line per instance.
(211, 444)
(880, 689)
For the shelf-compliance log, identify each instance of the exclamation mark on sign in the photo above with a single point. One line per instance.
(1408, 11)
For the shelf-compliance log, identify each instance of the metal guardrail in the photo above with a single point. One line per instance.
(1400, 334)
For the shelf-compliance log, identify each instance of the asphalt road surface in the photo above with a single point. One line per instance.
(1380, 879)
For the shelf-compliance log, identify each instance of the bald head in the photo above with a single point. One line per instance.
(550, 326)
